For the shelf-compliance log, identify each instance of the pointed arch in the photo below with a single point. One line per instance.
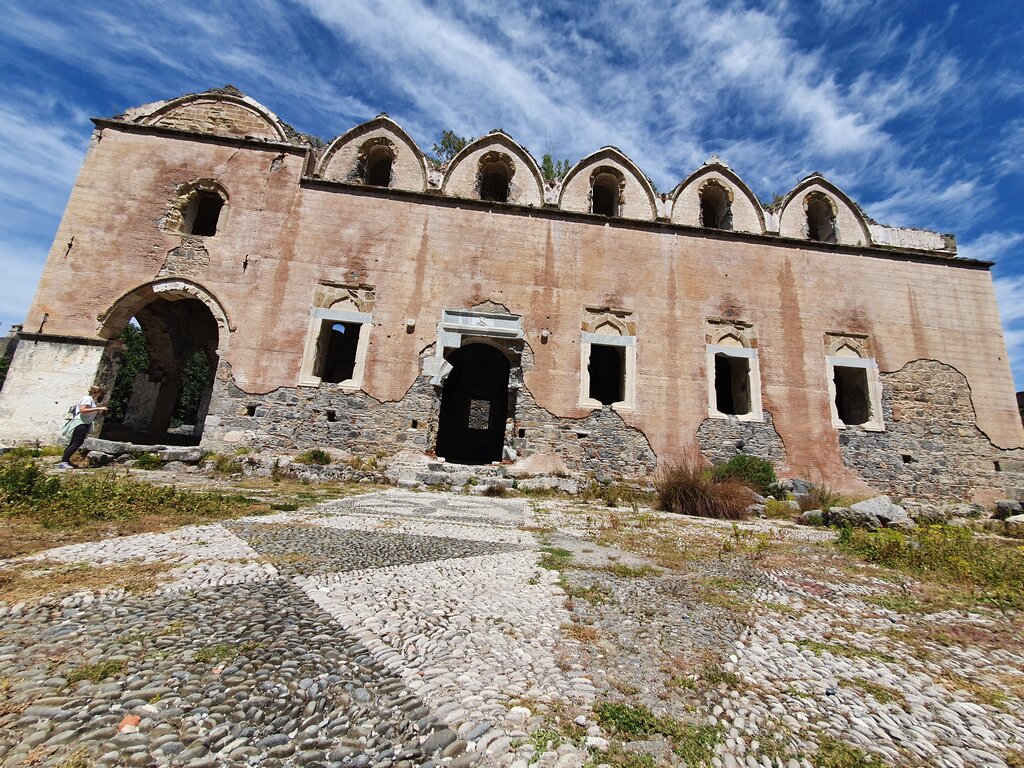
(637, 199)
(851, 226)
(346, 157)
(746, 210)
(218, 113)
(464, 177)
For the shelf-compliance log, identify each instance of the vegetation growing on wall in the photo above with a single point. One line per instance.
(449, 146)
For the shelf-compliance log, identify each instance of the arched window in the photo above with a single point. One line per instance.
(821, 218)
(378, 166)
(715, 206)
(197, 209)
(494, 181)
(605, 195)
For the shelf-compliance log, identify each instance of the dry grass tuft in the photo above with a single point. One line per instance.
(32, 581)
(691, 488)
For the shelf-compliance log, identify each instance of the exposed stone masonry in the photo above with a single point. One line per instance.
(721, 439)
(932, 447)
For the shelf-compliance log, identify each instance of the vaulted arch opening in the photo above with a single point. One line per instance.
(821, 218)
(495, 178)
(715, 207)
(166, 356)
(379, 161)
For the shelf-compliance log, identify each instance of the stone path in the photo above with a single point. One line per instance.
(387, 629)
(405, 629)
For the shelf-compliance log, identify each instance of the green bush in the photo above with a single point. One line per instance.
(148, 461)
(689, 488)
(314, 456)
(947, 555)
(758, 473)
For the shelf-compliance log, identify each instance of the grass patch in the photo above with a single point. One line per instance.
(833, 753)
(41, 510)
(221, 464)
(595, 594)
(496, 491)
(631, 572)
(713, 674)
(778, 510)
(31, 581)
(689, 488)
(844, 649)
(883, 694)
(983, 570)
(555, 558)
(95, 673)
(692, 742)
(24, 452)
(148, 461)
(316, 456)
(212, 654)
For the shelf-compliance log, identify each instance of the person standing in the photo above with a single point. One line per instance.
(78, 428)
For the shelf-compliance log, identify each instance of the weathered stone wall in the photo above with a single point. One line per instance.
(637, 200)
(526, 187)
(721, 439)
(340, 159)
(793, 218)
(294, 418)
(218, 118)
(932, 447)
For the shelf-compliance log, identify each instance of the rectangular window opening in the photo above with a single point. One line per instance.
(907, 458)
(853, 403)
(522, 433)
(207, 213)
(338, 343)
(999, 467)
(732, 385)
(415, 424)
(250, 409)
(607, 369)
(332, 416)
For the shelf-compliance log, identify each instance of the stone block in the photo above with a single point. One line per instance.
(98, 458)
(888, 514)
(186, 455)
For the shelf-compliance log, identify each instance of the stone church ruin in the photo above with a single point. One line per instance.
(357, 296)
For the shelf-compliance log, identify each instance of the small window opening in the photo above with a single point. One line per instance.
(605, 197)
(522, 433)
(339, 359)
(852, 401)
(821, 223)
(907, 458)
(715, 210)
(732, 385)
(250, 409)
(203, 214)
(332, 416)
(494, 182)
(607, 373)
(999, 467)
(378, 168)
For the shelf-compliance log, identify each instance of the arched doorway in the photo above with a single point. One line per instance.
(164, 381)
(474, 405)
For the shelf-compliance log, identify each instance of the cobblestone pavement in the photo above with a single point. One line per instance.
(405, 629)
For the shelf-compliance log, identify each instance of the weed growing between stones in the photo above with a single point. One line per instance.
(844, 649)
(983, 570)
(220, 464)
(29, 581)
(24, 452)
(833, 753)
(148, 461)
(95, 672)
(212, 654)
(630, 572)
(555, 558)
(496, 491)
(692, 742)
(883, 694)
(316, 456)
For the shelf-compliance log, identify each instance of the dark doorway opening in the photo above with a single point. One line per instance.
(378, 170)
(852, 401)
(206, 213)
(474, 406)
(339, 359)
(732, 385)
(607, 369)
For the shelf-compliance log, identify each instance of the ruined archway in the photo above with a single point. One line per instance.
(474, 405)
(167, 394)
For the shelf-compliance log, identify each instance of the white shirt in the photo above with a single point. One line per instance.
(87, 402)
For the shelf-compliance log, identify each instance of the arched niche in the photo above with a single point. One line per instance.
(745, 211)
(218, 113)
(353, 156)
(636, 194)
(816, 195)
(466, 171)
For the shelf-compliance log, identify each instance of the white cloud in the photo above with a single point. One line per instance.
(1010, 295)
(992, 246)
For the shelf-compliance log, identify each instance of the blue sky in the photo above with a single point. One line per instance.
(916, 109)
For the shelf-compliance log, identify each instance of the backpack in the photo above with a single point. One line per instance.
(71, 412)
